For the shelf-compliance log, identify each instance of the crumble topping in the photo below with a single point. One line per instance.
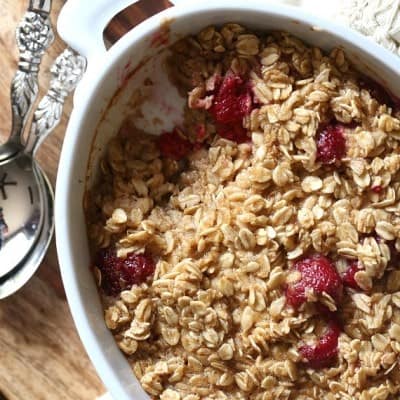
(273, 222)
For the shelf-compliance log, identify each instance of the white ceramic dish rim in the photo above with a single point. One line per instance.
(65, 180)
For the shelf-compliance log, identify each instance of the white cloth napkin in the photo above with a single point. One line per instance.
(377, 19)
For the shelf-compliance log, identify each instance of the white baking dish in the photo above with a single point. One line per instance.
(81, 25)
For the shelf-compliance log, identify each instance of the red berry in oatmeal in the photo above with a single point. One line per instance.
(349, 275)
(315, 274)
(331, 144)
(106, 262)
(234, 132)
(232, 101)
(324, 352)
(136, 268)
(173, 145)
(118, 274)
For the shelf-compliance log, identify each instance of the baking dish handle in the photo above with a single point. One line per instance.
(81, 24)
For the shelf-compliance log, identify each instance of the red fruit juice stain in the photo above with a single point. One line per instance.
(173, 145)
(160, 37)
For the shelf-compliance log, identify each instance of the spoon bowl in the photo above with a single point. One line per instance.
(17, 277)
(21, 212)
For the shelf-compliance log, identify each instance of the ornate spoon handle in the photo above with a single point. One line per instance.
(67, 71)
(34, 35)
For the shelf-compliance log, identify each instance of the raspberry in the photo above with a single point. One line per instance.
(118, 274)
(234, 132)
(172, 145)
(317, 273)
(348, 277)
(232, 101)
(331, 144)
(323, 354)
(106, 260)
(136, 268)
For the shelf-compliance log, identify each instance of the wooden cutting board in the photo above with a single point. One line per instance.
(41, 356)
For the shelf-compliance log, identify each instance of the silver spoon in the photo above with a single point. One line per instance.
(34, 35)
(26, 220)
(21, 274)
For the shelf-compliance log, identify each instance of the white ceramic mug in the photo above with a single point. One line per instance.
(81, 25)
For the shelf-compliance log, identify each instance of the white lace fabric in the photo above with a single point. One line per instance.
(376, 19)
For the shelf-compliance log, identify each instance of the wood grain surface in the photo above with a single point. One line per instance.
(41, 356)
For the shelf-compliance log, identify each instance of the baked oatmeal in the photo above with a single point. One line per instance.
(252, 253)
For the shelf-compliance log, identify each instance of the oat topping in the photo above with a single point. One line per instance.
(253, 252)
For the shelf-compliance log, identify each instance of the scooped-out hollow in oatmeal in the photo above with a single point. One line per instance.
(252, 252)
